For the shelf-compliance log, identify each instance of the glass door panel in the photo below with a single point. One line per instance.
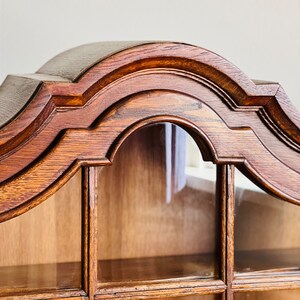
(41, 249)
(157, 210)
(267, 239)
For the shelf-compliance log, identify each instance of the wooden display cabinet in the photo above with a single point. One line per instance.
(147, 171)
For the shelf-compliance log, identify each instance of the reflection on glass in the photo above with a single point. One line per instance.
(157, 214)
(269, 295)
(267, 239)
(41, 248)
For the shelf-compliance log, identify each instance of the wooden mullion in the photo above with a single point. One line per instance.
(225, 192)
(89, 237)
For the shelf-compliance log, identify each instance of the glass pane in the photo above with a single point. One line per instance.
(157, 211)
(267, 239)
(41, 249)
(269, 295)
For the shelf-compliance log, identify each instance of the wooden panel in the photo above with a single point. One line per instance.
(173, 67)
(258, 214)
(138, 219)
(38, 249)
(267, 239)
(133, 205)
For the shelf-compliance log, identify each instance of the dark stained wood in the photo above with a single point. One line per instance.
(225, 180)
(53, 296)
(164, 297)
(271, 283)
(158, 289)
(197, 60)
(151, 107)
(81, 106)
(90, 199)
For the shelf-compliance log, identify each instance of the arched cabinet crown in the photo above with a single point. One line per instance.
(157, 231)
(80, 105)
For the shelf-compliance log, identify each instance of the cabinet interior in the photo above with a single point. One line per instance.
(159, 219)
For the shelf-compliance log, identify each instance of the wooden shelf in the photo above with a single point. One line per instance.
(260, 262)
(119, 271)
(157, 268)
(27, 278)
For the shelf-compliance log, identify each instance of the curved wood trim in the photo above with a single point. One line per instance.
(70, 108)
(83, 117)
(100, 142)
(243, 93)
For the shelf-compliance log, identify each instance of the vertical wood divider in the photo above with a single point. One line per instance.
(225, 194)
(89, 228)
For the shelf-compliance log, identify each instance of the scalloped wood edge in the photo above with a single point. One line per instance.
(73, 90)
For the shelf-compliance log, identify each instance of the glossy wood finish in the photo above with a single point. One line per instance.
(79, 109)
(176, 67)
(89, 251)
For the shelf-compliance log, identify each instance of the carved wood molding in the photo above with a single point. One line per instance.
(80, 104)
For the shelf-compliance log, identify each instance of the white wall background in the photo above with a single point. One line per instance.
(261, 37)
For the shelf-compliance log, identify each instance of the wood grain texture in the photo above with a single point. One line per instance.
(79, 109)
(104, 82)
(89, 250)
(99, 143)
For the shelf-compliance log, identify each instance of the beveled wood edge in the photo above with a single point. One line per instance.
(54, 187)
(281, 117)
(15, 211)
(73, 294)
(266, 283)
(90, 202)
(152, 289)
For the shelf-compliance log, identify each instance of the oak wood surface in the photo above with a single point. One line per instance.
(79, 109)
(192, 64)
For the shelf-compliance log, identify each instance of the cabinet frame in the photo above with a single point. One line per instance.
(78, 109)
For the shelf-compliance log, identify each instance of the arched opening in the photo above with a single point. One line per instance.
(157, 213)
